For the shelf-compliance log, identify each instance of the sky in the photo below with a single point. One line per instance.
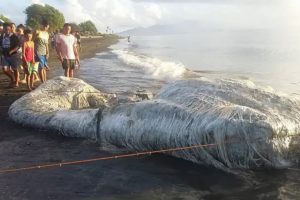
(121, 15)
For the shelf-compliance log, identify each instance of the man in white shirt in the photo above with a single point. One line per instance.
(66, 48)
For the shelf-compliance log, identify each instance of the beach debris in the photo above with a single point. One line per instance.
(250, 127)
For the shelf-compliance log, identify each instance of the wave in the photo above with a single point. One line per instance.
(184, 113)
(153, 66)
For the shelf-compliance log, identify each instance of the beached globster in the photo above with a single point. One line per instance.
(252, 127)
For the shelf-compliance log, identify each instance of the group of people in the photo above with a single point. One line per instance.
(28, 49)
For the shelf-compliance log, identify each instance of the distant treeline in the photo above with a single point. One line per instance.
(36, 13)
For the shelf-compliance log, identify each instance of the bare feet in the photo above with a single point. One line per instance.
(13, 85)
(22, 81)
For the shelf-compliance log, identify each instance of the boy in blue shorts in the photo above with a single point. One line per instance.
(42, 49)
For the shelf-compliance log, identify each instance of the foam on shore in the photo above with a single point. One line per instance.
(155, 67)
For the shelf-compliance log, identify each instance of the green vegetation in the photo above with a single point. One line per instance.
(36, 13)
(5, 19)
(88, 27)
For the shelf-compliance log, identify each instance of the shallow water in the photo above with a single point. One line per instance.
(141, 65)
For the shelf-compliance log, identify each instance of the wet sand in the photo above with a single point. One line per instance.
(144, 177)
(89, 47)
(147, 177)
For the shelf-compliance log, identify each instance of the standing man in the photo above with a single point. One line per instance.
(42, 49)
(78, 37)
(10, 44)
(66, 48)
(20, 35)
(13, 27)
(1, 30)
(1, 26)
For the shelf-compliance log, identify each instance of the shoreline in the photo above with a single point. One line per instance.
(23, 146)
(89, 48)
(143, 177)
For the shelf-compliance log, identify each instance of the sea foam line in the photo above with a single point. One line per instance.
(155, 67)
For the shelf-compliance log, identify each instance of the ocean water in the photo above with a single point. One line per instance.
(147, 63)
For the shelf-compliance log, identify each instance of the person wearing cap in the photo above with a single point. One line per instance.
(9, 43)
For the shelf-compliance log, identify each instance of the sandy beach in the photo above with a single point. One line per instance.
(143, 177)
(116, 179)
(20, 146)
(90, 46)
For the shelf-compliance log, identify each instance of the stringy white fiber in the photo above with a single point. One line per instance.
(261, 124)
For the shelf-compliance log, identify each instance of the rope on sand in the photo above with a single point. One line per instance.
(119, 156)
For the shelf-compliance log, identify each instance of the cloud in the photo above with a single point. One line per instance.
(125, 14)
(219, 2)
(117, 14)
(37, 2)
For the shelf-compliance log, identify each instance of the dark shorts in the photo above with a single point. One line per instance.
(68, 63)
(11, 61)
(42, 61)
